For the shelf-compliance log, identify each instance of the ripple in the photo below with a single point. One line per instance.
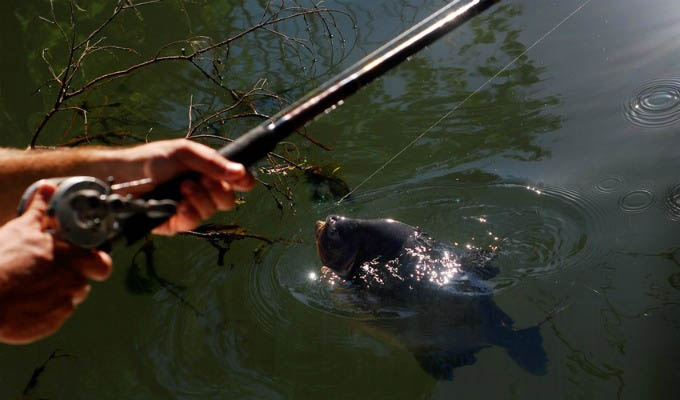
(267, 300)
(656, 104)
(609, 184)
(636, 201)
(538, 230)
(194, 354)
(672, 203)
(552, 235)
(247, 320)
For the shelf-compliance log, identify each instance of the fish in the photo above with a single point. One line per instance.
(444, 297)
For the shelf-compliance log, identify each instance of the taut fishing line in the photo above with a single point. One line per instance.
(457, 106)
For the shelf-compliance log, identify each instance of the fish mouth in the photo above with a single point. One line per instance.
(320, 226)
(342, 270)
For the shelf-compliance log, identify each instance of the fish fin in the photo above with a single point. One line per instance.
(525, 347)
(478, 263)
(440, 364)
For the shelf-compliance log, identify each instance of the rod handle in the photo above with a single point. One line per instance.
(248, 149)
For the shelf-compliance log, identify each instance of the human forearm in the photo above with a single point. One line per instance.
(19, 169)
(160, 161)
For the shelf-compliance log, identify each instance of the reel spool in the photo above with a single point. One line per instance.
(79, 209)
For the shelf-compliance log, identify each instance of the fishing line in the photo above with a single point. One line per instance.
(457, 106)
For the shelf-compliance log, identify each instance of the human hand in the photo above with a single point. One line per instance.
(42, 279)
(164, 160)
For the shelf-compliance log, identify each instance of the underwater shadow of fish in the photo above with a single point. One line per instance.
(451, 314)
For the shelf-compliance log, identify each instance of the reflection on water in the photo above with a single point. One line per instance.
(502, 166)
(469, 113)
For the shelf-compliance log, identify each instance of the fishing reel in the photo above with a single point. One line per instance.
(87, 213)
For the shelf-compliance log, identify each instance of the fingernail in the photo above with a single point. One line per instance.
(46, 190)
(235, 168)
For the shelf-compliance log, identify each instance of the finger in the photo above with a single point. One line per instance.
(53, 320)
(220, 193)
(164, 228)
(208, 162)
(91, 264)
(95, 265)
(28, 324)
(244, 184)
(199, 198)
(79, 296)
(58, 280)
(37, 205)
(186, 219)
(73, 285)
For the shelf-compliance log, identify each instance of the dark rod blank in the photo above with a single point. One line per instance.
(256, 143)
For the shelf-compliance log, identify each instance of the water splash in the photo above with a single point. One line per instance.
(537, 229)
(655, 105)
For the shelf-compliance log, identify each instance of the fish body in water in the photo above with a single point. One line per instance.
(450, 314)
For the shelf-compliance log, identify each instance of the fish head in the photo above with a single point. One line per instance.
(338, 242)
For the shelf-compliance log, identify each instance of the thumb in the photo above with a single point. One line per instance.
(37, 205)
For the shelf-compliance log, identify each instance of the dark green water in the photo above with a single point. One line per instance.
(568, 157)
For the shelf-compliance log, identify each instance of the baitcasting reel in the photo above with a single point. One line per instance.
(88, 214)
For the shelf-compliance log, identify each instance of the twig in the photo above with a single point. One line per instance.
(92, 44)
(280, 157)
(191, 111)
(33, 382)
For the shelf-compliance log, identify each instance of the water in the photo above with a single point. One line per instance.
(656, 104)
(567, 162)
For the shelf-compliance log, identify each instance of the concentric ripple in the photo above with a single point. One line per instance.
(234, 340)
(656, 104)
(555, 231)
(609, 184)
(196, 351)
(636, 201)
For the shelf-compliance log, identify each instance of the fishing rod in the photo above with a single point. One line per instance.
(91, 216)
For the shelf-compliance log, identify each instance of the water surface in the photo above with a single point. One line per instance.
(566, 161)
